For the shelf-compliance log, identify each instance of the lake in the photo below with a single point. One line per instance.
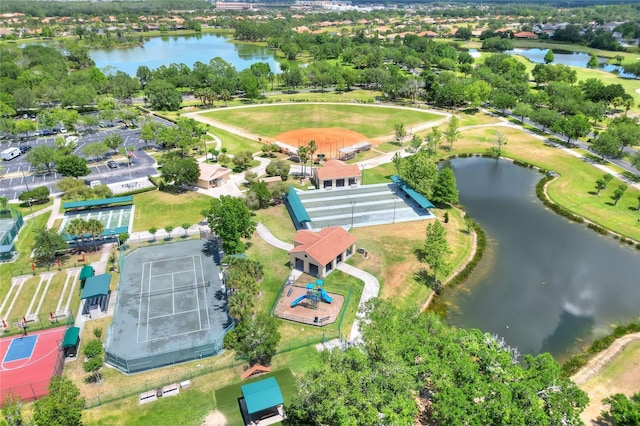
(165, 50)
(545, 284)
(574, 59)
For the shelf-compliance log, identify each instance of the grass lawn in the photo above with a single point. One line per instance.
(234, 143)
(158, 209)
(276, 270)
(380, 174)
(227, 397)
(24, 245)
(327, 96)
(278, 221)
(371, 121)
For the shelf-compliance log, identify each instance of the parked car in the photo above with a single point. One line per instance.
(112, 164)
(46, 132)
(25, 148)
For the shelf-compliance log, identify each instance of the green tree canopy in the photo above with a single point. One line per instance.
(419, 171)
(72, 165)
(62, 406)
(445, 190)
(258, 338)
(179, 171)
(230, 218)
(436, 251)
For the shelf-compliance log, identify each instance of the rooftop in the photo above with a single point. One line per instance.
(262, 395)
(324, 245)
(335, 169)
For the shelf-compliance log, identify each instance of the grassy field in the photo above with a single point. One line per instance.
(278, 221)
(234, 143)
(227, 397)
(369, 120)
(327, 96)
(24, 245)
(158, 209)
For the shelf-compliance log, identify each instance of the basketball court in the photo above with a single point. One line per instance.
(171, 306)
(116, 220)
(29, 362)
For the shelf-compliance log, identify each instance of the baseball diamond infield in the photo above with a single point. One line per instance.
(329, 140)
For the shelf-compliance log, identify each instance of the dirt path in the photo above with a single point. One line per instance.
(214, 418)
(600, 387)
(601, 360)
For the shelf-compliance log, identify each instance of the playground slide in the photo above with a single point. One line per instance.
(298, 300)
(325, 296)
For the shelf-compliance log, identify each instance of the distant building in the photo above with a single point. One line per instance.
(526, 34)
(233, 5)
(212, 175)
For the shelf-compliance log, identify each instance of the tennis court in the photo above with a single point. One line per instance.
(116, 220)
(170, 307)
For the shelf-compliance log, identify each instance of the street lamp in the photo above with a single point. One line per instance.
(362, 173)
(395, 199)
(28, 199)
(353, 205)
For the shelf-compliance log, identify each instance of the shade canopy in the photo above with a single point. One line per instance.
(417, 197)
(296, 206)
(262, 395)
(87, 272)
(96, 286)
(71, 337)
(127, 199)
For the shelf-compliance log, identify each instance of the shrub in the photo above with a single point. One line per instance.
(93, 349)
(97, 332)
(600, 230)
(481, 244)
(94, 377)
(94, 364)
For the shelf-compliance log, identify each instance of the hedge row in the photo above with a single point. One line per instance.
(481, 244)
(573, 364)
(553, 206)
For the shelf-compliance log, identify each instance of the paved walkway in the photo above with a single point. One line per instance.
(371, 284)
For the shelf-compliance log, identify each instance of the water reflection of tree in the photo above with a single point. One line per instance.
(571, 328)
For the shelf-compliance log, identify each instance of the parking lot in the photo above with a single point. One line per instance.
(16, 175)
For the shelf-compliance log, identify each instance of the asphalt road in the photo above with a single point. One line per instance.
(17, 176)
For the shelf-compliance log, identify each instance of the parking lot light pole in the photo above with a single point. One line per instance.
(353, 205)
(29, 199)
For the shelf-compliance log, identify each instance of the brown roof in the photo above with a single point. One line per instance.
(334, 169)
(324, 245)
(525, 34)
(210, 172)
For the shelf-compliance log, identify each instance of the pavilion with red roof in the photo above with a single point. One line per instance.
(337, 174)
(319, 253)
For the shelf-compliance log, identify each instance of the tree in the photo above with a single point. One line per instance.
(12, 410)
(452, 133)
(433, 140)
(617, 193)
(162, 95)
(179, 171)
(95, 227)
(38, 195)
(73, 166)
(606, 145)
(62, 406)
(149, 131)
(230, 219)
(46, 244)
(635, 160)
(436, 251)
(549, 57)
(444, 190)
(312, 148)
(77, 228)
(400, 133)
(545, 117)
(153, 230)
(113, 141)
(303, 154)
(258, 338)
(523, 110)
(419, 171)
(240, 304)
(501, 139)
(259, 196)
(96, 149)
(243, 159)
(278, 168)
(169, 229)
(623, 410)
(593, 61)
(415, 143)
(600, 185)
(573, 127)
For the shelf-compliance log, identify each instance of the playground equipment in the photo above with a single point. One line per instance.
(315, 293)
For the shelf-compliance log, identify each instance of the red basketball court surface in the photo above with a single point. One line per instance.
(29, 362)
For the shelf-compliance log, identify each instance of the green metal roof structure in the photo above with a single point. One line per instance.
(71, 337)
(128, 199)
(86, 272)
(418, 198)
(96, 286)
(262, 395)
(296, 206)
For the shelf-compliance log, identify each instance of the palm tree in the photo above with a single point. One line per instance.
(77, 227)
(303, 154)
(312, 148)
(225, 96)
(95, 228)
(239, 305)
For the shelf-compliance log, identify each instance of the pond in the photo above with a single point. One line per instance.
(545, 284)
(186, 49)
(574, 59)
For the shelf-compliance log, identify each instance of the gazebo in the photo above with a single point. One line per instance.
(70, 341)
(262, 403)
(87, 271)
(96, 294)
